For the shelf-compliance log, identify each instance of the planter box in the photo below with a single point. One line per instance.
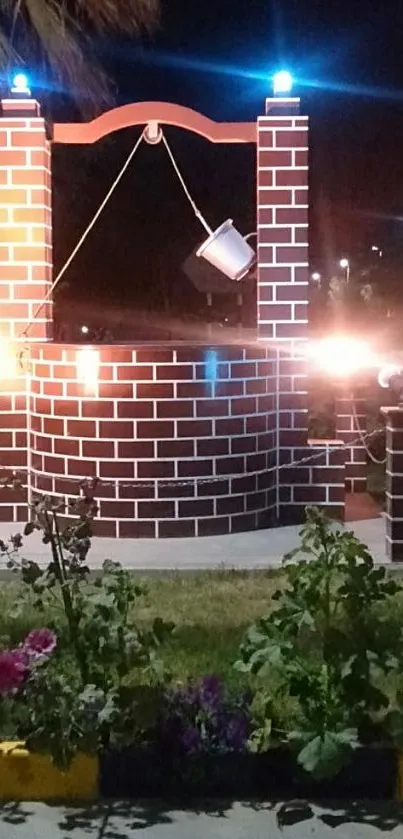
(33, 777)
(136, 772)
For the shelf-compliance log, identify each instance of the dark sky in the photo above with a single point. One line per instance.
(217, 57)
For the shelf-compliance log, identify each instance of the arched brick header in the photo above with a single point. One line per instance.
(141, 113)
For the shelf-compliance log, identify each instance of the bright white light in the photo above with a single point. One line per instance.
(85, 330)
(341, 357)
(87, 363)
(9, 368)
(387, 372)
(375, 248)
(316, 276)
(344, 263)
(282, 83)
(21, 85)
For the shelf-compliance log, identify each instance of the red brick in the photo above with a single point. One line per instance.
(6, 440)
(212, 408)
(309, 494)
(181, 528)
(293, 253)
(245, 370)
(232, 426)
(243, 445)
(155, 469)
(291, 215)
(265, 292)
(99, 448)
(292, 291)
(137, 529)
(53, 388)
(272, 235)
(244, 405)
(176, 408)
(156, 509)
(275, 158)
(291, 139)
(217, 447)
(16, 457)
(291, 330)
(116, 391)
(83, 468)
(229, 506)
(156, 390)
(53, 426)
(192, 390)
(275, 274)
(256, 386)
(135, 373)
(67, 447)
(105, 529)
(81, 428)
(292, 438)
(301, 198)
(136, 449)
(6, 514)
(93, 408)
(117, 509)
(155, 355)
(301, 235)
(174, 372)
(176, 448)
(28, 139)
(265, 177)
(214, 526)
(117, 469)
(265, 215)
(230, 388)
(195, 468)
(195, 428)
(153, 429)
(265, 138)
(135, 410)
(275, 197)
(291, 177)
(274, 311)
(55, 464)
(105, 374)
(66, 409)
(117, 430)
(196, 507)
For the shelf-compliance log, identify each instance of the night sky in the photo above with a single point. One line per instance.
(217, 56)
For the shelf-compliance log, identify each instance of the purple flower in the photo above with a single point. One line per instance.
(191, 740)
(13, 670)
(40, 643)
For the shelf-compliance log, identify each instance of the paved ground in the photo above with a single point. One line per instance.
(219, 821)
(260, 549)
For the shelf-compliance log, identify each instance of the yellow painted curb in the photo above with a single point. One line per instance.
(33, 777)
(399, 777)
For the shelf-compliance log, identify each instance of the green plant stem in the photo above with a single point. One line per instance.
(67, 601)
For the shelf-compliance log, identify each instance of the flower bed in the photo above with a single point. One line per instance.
(320, 713)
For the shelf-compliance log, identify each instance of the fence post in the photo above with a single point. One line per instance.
(394, 483)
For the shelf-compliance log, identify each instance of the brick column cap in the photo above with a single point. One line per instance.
(12, 107)
(394, 416)
(277, 106)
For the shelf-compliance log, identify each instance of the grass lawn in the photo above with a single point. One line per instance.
(211, 611)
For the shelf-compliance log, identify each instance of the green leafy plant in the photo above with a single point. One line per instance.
(105, 680)
(328, 645)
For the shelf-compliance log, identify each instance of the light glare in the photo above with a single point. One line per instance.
(341, 356)
(87, 363)
(282, 83)
(21, 84)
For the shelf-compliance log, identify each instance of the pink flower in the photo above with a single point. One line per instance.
(40, 642)
(13, 669)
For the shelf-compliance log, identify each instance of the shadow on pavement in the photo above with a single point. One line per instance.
(381, 815)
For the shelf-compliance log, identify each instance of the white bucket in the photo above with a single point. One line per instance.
(228, 251)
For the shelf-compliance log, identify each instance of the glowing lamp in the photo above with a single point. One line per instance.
(87, 363)
(341, 357)
(316, 276)
(344, 263)
(20, 86)
(282, 83)
(85, 330)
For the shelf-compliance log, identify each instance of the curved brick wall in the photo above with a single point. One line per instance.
(179, 436)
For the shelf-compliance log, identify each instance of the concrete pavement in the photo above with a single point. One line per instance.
(259, 549)
(218, 820)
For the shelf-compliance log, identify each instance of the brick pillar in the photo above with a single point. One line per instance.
(282, 285)
(25, 220)
(351, 411)
(394, 483)
(25, 277)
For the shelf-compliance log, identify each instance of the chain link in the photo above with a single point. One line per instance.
(146, 483)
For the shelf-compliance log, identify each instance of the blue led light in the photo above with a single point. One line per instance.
(21, 85)
(282, 83)
(211, 366)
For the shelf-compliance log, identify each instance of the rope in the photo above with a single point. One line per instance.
(193, 204)
(83, 238)
(363, 438)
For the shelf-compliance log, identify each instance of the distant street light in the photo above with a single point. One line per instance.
(345, 264)
(316, 277)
